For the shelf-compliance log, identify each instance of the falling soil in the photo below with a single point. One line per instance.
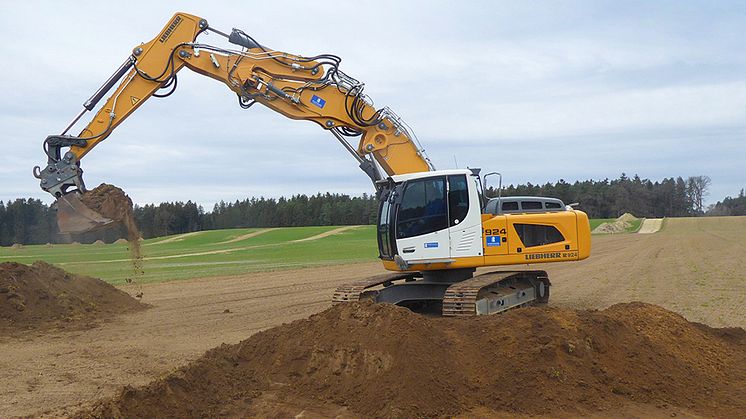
(113, 203)
(370, 360)
(42, 296)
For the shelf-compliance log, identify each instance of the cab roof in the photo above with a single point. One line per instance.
(418, 175)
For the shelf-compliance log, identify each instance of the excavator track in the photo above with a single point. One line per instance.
(354, 291)
(488, 293)
(495, 292)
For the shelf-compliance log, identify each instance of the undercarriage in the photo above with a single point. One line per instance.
(455, 292)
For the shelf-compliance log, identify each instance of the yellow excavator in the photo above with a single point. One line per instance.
(435, 227)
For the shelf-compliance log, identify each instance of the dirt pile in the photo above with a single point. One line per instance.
(113, 203)
(385, 361)
(620, 225)
(42, 296)
(627, 217)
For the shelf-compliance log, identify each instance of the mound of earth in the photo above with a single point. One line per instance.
(627, 217)
(42, 296)
(385, 361)
(620, 225)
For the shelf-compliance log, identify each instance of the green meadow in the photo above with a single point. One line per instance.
(208, 253)
(213, 253)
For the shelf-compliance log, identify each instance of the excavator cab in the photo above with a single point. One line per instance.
(422, 216)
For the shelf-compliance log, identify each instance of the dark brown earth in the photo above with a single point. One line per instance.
(111, 202)
(385, 361)
(42, 296)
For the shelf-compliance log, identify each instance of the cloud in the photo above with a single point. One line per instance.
(539, 91)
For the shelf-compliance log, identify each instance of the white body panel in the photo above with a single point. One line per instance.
(429, 246)
(466, 236)
(460, 240)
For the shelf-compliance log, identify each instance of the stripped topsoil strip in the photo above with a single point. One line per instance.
(113, 203)
(42, 296)
(369, 360)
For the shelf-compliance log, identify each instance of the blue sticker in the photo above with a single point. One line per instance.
(493, 240)
(318, 101)
(431, 245)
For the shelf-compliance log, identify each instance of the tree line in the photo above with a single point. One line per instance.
(30, 221)
(730, 206)
(670, 197)
(298, 210)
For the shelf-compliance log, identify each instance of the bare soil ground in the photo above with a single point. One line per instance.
(247, 236)
(326, 234)
(693, 267)
(178, 237)
(386, 361)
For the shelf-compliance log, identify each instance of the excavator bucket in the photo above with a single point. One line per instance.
(73, 216)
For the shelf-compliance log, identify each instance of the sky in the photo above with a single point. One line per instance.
(539, 91)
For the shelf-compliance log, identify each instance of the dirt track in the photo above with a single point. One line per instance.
(650, 225)
(692, 266)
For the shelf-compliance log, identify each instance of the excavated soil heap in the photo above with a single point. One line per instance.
(42, 296)
(385, 361)
(113, 203)
(620, 225)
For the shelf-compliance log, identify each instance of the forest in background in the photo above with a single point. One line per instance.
(31, 221)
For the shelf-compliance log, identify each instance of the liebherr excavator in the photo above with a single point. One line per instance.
(435, 227)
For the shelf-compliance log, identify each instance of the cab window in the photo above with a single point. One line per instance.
(423, 208)
(458, 199)
(510, 206)
(531, 205)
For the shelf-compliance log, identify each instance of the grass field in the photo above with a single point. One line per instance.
(208, 253)
(215, 253)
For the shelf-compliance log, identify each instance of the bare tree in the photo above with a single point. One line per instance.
(697, 187)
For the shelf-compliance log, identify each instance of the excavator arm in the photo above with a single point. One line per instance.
(307, 88)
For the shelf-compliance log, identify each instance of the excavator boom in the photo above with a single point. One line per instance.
(307, 88)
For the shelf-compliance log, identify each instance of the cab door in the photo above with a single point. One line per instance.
(464, 217)
(422, 220)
